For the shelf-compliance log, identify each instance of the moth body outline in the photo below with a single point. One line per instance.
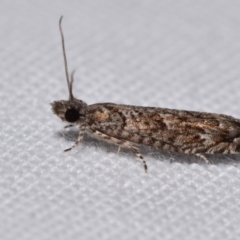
(130, 126)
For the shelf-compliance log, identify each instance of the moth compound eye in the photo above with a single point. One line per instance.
(72, 115)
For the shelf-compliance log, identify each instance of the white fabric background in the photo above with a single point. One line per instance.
(176, 54)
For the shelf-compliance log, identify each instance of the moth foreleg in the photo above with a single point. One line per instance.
(79, 138)
(68, 126)
(202, 157)
(123, 143)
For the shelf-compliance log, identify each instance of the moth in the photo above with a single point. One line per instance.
(188, 132)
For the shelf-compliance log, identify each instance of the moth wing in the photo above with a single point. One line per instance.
(175, 130)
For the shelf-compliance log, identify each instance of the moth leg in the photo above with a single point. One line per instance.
(119, 149)
(79, 138)
(68, 126)
(138, 154)
(202, 157)
(124, 143)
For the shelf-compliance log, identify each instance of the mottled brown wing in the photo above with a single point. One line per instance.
(175, 130)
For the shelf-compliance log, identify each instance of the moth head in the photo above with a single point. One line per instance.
(72, 110)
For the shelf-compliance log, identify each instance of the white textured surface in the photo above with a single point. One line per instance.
(178, 54)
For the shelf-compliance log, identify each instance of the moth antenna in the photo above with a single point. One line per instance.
(72, 79)
(65, 62)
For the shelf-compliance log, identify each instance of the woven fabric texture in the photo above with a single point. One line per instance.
(174, 54)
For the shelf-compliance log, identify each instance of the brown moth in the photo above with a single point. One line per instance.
(129, 126)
